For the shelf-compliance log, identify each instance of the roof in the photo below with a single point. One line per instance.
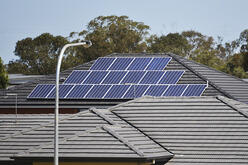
(191, 76)
(180, 130)
(97, 134)
(229, 85)
(16, 79)
(197, 130)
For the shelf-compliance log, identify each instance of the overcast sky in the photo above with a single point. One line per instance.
(29, 18)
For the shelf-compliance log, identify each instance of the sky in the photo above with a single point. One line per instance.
(20, 19)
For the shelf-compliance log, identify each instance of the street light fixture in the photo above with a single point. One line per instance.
(86, 44)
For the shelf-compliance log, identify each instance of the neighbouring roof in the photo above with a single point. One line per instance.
(199, 130)
(219, 84)
(16, 79)
(186, 130)
(97, 134)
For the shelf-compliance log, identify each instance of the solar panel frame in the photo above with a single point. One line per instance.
(93, 77)
(175, 90)
(150, 78)
(133, 77)
(158, 65)
(100, 65)
(40, 87)
(116, 92)
(121, 63)
(78, 78)
(63, 91)
(135, 91)
(170, 78)
(82, 90)
(97, 91)
(156, 90)
(139, 63)
(194, 90)
(114, 77)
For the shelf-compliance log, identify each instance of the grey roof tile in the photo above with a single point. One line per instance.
(197, 130)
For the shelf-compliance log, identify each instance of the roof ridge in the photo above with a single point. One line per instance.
(112, 111)
(199, 74)
(99, 113)
(231, 103)
(40, 126)
(110, 130)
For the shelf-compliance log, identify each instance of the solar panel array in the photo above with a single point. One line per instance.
(121, 78)
(101, 91)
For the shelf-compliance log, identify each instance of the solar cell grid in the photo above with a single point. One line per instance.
(121, 63)
(97, 91)
(117, 91)
(158, 63)
(41, 91)
(156, 90)
(114, 77)
(152, 77)
(194, 90)
(175, 90)
(133, 77)
(63, 90)
(139, 63)
(136, 91)
(102, 63)
(95, 77)
(79, 91)
(76, 77)
(171, 77)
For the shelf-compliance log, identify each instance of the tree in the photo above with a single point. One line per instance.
(111, 34)
(173, 42)
(38, 55)
(3, 76)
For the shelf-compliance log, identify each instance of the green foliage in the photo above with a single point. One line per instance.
(110, 34)
(3, 76)
(120, 34)
(173, 42)
(38, 55)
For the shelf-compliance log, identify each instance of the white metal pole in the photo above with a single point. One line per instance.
(56, 113)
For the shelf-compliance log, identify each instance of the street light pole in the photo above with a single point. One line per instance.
(86, 44)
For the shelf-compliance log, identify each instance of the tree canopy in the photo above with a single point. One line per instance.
(120, 34)
(3, 76)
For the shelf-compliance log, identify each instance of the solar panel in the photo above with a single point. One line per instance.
(114, 77)
(102, 64)
(63, 90)
(41, 91)
(116, 91)
(95, 77)
(156, 90)
(97, 91)
(79, 91)
(135, 91)
(175, 90)
(158, 63)
(133, 77)
(194, 90)
(139, 64)
(121, 63)
(171, 77)
(76, 77)
(152, 77)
